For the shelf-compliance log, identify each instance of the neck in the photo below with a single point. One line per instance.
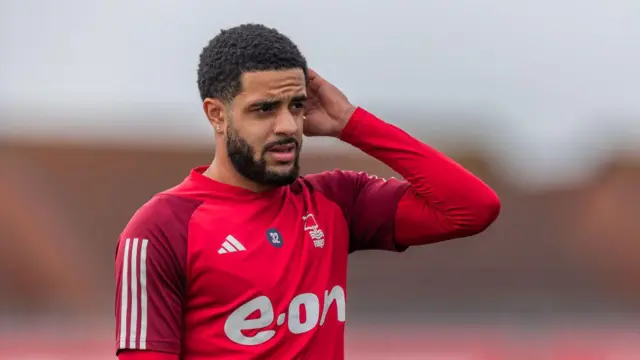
(222, 170)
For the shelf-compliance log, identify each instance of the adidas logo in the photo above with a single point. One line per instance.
(231, 245)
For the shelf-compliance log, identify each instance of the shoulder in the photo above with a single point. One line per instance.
(163, 210)
(349, 183)
(163, 222)
(346, 188)
(335, 180)
(337, 186)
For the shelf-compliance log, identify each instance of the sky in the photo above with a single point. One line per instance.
(528, 79)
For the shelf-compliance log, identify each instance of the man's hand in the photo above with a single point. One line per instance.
(328, 109)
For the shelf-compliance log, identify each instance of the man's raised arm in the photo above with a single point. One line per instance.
(439, 200)
(443, 201)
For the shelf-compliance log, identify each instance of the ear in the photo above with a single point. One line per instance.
(214, 109)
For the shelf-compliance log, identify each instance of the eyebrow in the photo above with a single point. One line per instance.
(275, 102)
(299, 98)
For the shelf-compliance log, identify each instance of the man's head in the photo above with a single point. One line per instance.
(252, 80)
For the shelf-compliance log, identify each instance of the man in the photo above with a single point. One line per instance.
(247, 260)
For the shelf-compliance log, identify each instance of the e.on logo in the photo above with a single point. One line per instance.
(238, 322)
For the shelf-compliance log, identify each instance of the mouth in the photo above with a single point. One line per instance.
(283, 153)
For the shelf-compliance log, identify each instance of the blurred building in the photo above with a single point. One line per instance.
(555, 258)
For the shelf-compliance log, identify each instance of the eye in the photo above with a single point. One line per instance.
(297, 105)
(266, 108)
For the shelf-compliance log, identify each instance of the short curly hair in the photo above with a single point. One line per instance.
(244, 48)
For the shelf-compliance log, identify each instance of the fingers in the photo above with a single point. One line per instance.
(311, 74)
(314, 81)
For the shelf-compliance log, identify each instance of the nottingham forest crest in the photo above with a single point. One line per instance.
(312, 228)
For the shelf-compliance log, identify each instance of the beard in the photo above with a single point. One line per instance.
(242, 156)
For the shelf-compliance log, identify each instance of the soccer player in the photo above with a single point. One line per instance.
(245, 259)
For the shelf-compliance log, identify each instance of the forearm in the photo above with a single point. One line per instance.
(454, 201)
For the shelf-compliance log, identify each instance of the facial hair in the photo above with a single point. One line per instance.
(242, 156)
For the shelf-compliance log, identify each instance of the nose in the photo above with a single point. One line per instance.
(286, 124)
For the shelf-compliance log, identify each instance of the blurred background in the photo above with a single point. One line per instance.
(99, 110)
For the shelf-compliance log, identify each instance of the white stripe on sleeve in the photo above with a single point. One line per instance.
(134, 295)
(124, 290)
(143, 294)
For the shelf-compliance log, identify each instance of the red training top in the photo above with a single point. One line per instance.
(207, 270)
